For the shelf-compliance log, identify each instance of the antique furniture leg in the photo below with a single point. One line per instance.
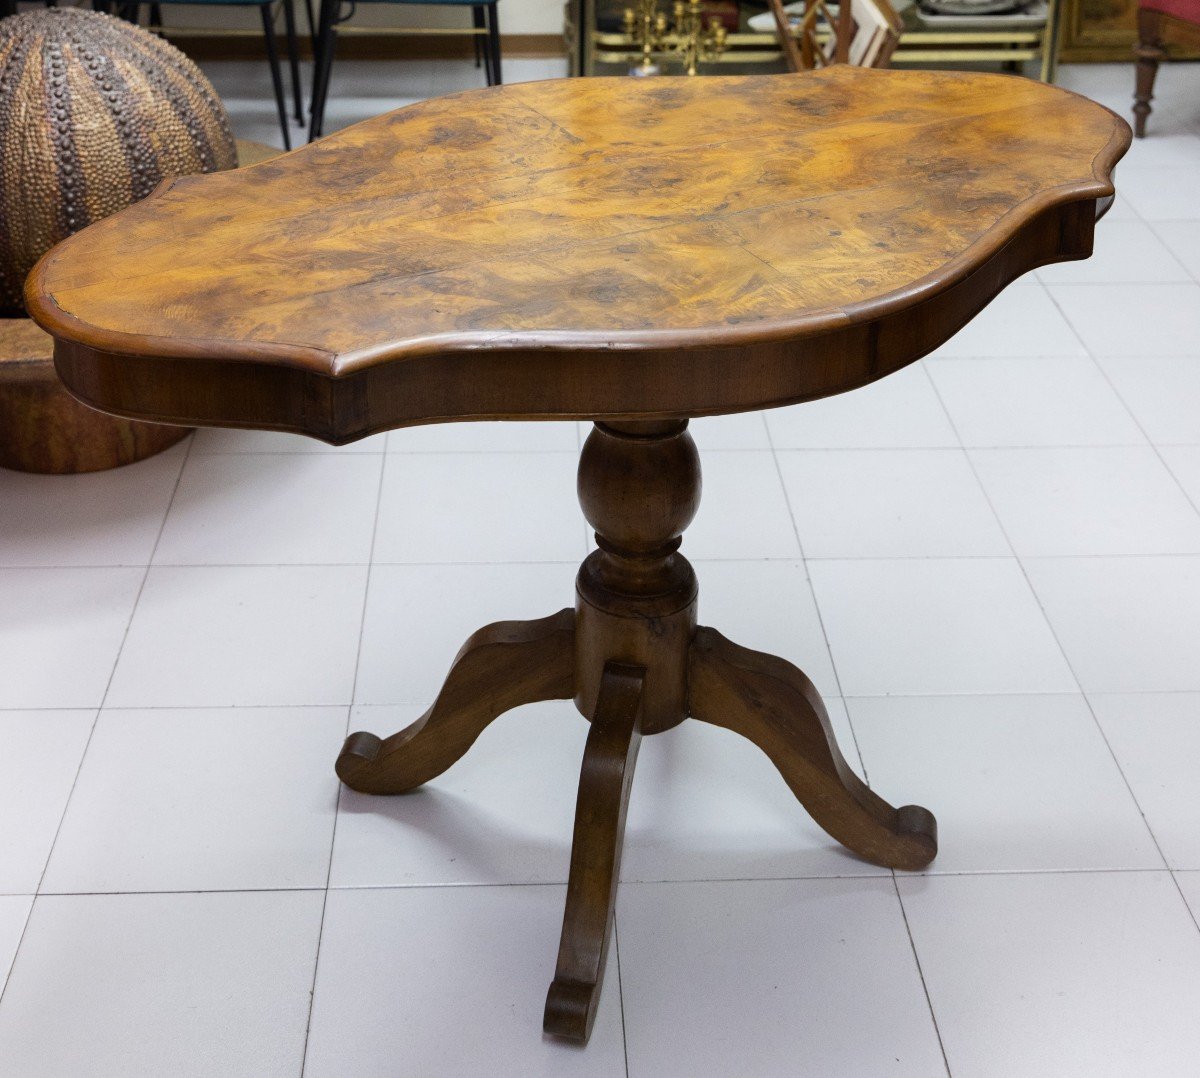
(500, 667)
(604, 785)
(770, 702)
(633, 659)
(1149, 51)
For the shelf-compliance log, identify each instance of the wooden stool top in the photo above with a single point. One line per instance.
(586, 248)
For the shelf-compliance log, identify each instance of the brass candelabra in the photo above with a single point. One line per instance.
(685, 36)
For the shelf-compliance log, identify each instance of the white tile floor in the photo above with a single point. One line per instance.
(989, 564)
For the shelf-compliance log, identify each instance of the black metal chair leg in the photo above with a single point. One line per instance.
(323, 65)
(478, 39)
(312, 26)
(276, 79)
(289, 25)
(493, 20)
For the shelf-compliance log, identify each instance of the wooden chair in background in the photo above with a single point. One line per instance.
(1149, 49)
(864, 33)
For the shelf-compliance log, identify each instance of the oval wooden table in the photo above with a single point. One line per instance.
(633, 252)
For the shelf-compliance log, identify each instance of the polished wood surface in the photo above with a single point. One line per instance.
(44, 429)
(593, 248)
(500, 667)
(773, 704)
(636, 663)
(631, 251)
(604, 785)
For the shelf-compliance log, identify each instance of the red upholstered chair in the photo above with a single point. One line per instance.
(1150, 50)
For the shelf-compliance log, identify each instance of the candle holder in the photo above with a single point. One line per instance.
(683, 37)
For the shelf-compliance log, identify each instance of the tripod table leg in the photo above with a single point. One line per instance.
(604, 784)
(769, 701)
(500, 667)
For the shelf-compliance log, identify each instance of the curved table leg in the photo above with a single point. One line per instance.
(604, 783)
(769, 701)
(500, 667)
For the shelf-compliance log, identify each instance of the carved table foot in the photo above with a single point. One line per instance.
(604, 784)
(773, 704)
(500, 667)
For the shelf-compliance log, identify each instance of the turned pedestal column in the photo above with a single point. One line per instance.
(633, 659)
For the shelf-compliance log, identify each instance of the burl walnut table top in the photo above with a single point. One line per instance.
(587, 248)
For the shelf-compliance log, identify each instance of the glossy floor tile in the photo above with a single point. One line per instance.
(202, 800)
(1125, 624)
(99, 518)
(797, 977)
(418, 616)
(743, 508)
(184, 984)
(931, 626)
(901, 411)
(1184, 462)
(464, 507)
(1183, 240)
(61, 633)
(709, 805)
(1022, 321)
(395, 964)
(1156, 739)
(1082, 500)
(988, 563)
(38, 766)
(14, 913)
(1125, 251)
(923, 503)
(237, 636)
(1079, 975)
(1167, 322)
(273, 509)
(1018, 783)
(1189, 887)
(1019, 402)
(503, 814)
(1162, 392)
(768, 606)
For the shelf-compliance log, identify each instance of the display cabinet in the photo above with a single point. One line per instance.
(598, 44)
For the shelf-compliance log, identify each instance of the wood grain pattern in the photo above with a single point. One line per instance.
(500, 667)
(44, 429)
(581, 248)
(604, 784)
(774, 705)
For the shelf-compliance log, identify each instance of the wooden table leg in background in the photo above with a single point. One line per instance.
(635, 662)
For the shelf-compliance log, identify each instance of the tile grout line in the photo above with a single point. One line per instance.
(921, 973)
(1186, 905)
(621, 991)
(1086, 696)
(850, 721)
(693, 558)
(1154, 227)
(1054, 632)
(881, 874)
(1154, 446)
(812, 593)
(415, 703)
(362, 624)
(99, 709)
